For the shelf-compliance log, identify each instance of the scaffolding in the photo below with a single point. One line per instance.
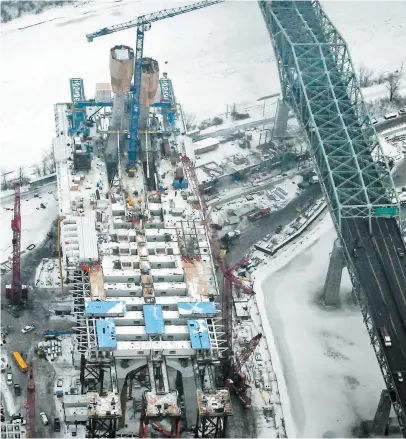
(213, 410)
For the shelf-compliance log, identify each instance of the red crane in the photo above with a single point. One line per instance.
(247, 289)
(237, 381)
(15, 292)
(227, 309)
(30, 404)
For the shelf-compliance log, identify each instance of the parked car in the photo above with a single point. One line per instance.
(57, 425)
(9, 379)
(17, 390)
(44, 418)
(28, 328)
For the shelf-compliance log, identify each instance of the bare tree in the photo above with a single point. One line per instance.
(44, 165)
(37, 170)
(365, 77)
(50, 161)
(22, 177)
(393, 83)
(190, 121)
(4, 180)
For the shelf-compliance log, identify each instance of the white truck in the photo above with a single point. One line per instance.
(386, 337)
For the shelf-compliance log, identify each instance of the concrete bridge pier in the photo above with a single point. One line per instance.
(381, 420)
(331, 293)
(281, 120)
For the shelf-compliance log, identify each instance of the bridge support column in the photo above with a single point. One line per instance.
(331, 294)
(381, 420)
(281, 120)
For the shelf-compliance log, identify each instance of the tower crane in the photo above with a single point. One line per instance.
(15, 291)
(30, 404)
(143, 23)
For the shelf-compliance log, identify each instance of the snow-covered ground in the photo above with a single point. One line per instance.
(35, 223)
(211, 61)
(272, 198)
(322, 357)
(380, 91)
(263, 109)
(47, 274)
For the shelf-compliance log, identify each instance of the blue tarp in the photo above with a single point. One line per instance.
(106, 334)
(199, 334)
(154, 319)
(197, 308)
(97, 308)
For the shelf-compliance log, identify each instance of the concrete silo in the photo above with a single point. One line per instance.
(121, 68)
(149, 88)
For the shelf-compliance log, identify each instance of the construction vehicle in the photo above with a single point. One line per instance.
(258, 214)
(237, 380)
(142, 24)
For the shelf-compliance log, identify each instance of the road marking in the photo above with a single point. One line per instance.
(392, 264)
(400, 262)
(400, 342)
(393, 325)
(377, 281)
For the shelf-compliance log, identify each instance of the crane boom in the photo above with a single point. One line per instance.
(150, 18)
(142, 23)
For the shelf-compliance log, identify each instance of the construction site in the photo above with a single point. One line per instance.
(136, 314)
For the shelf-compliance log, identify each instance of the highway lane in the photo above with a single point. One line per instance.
(387, 240)
(382, 305)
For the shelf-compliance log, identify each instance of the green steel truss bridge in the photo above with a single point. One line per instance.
(320, 86)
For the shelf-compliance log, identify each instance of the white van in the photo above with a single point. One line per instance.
(44, 418)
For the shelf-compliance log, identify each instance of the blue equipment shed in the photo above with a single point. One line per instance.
(154, 319)
(113, 308)
(199, 334)
(106, 334)
(197, 309)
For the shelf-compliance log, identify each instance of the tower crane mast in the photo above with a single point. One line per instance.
(14, 291)
(143, 23)
(30, 404)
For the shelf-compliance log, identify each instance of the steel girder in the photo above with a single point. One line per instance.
(319, 84)
(85, 330)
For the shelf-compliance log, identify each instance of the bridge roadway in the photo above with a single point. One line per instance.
(382, 275)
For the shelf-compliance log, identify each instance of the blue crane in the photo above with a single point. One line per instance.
(143, 23)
